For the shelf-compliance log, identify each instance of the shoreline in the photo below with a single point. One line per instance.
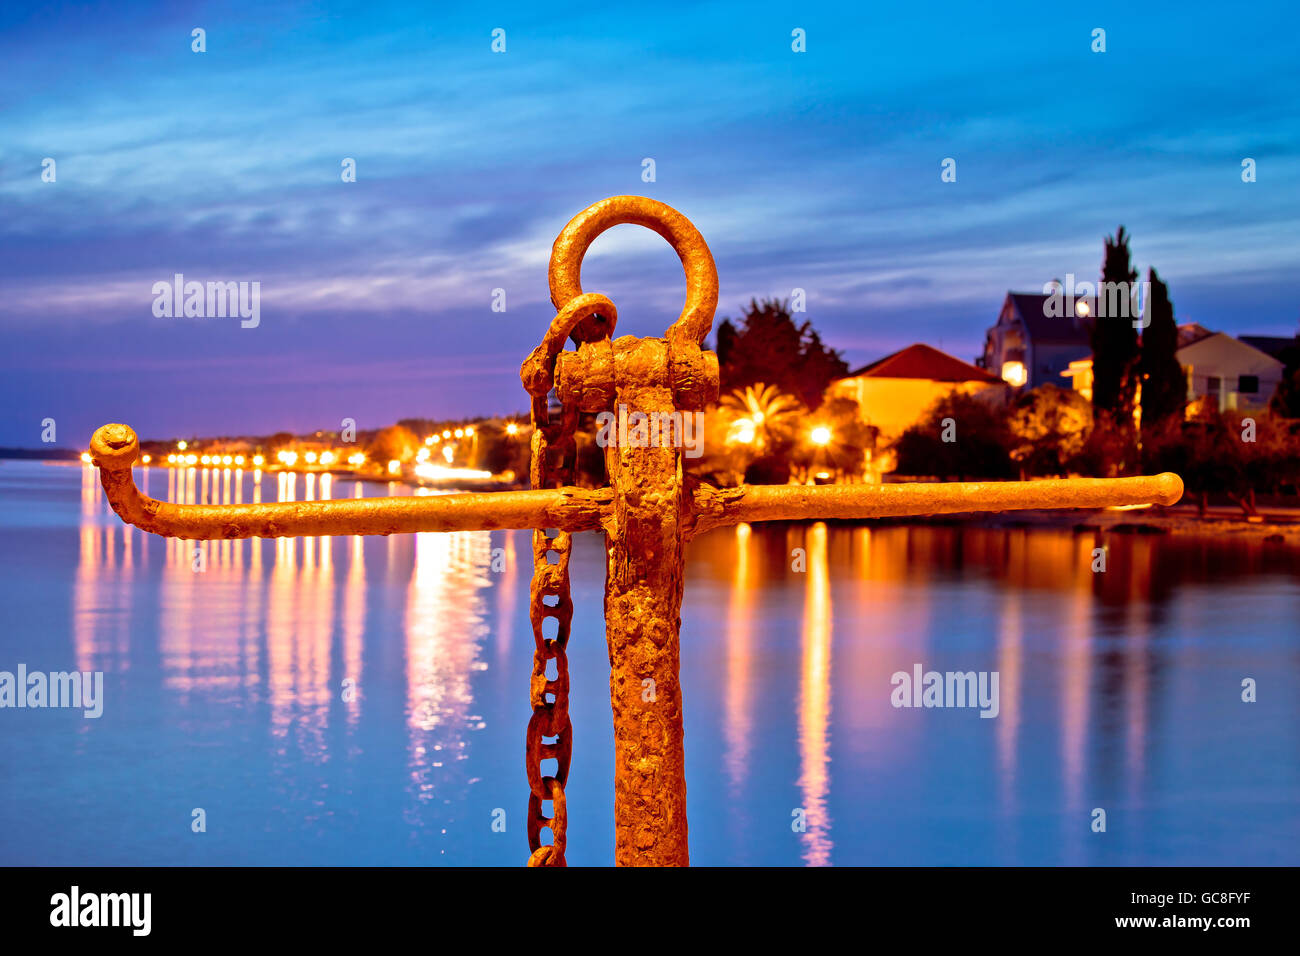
(1179, 519)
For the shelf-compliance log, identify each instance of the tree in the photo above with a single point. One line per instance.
(1164, 388)
(1286, 399)
(1049, 427)
(1115, 357)
(960, 437)
(279, 440)
(761, 424)
(394, 443)
(1213, 455)
(768, 347)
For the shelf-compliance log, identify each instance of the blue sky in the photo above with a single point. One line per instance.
(818, 170)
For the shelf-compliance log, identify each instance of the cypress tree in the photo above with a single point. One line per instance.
(1164, 388)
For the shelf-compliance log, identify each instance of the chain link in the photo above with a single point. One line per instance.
(554, 459)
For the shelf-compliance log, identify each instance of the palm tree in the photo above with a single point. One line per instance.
(760, 415)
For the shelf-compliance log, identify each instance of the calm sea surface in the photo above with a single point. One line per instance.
(225, 690)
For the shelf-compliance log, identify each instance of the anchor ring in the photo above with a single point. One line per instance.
(565, 272)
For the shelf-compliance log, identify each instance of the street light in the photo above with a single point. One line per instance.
(821, 435)
(741, 431)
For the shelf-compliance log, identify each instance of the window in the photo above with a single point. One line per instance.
(1013, 373)
(1248, 384)
(1213, 384)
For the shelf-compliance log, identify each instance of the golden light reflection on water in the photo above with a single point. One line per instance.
(738, 728)
(257, 620)
(284, 622)
(443, 630)
(1072, 648)
(815, 701)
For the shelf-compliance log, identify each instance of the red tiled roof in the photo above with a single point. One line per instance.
(924, 361)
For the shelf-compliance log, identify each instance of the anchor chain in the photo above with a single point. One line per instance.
(587, 317)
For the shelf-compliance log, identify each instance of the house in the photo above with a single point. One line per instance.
(1227, 373)
(1224, 373)
(1030, 345)
(895, 392)
(1286, 349)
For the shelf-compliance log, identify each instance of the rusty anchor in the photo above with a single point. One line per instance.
(647, 513)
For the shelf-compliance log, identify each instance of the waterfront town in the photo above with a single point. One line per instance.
(1072, 380)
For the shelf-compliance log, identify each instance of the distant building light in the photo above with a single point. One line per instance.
(394, 466)
(180, 446)
(1081, 309)
(258, 461)
(85, 457)
(145, 459)
(512, 429)
(311, 457)
(433, 472)
(1014, 374)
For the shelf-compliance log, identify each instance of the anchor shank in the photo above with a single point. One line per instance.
(643, 600)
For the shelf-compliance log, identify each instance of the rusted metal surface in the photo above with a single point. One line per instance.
(554, 460)
(714, 507)
(113, 448)
(701, 274)
(584, 509)
(646, 532)
(647, 514)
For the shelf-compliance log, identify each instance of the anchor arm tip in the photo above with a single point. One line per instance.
(114, 447)
(1168, 488)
